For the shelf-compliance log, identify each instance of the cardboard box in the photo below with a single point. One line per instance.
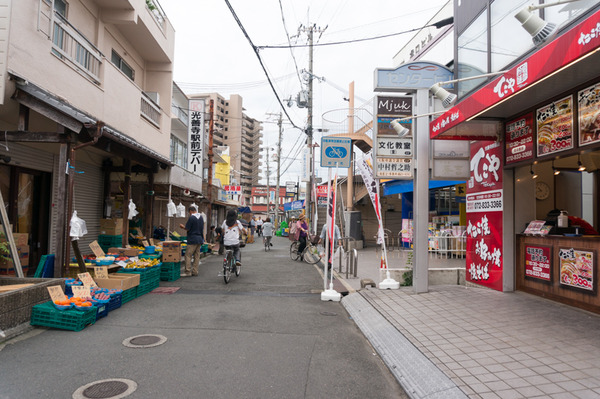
(111, 227)
(120, 281)
(21, 239)
(171, 251)
(124, 251)
(23, 251)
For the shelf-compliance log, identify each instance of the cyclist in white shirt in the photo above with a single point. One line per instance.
(232, 231)
(267, 231)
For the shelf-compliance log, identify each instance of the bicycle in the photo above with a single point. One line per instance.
(229, 265)
(267, 242)
(310, 255)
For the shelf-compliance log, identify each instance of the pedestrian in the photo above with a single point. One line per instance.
(232, 231)
(337, 239)
(211, 235)
(252, 229)
(219, 239)
(302, 228)
(259, 226)
(195, 238)
(267, 232)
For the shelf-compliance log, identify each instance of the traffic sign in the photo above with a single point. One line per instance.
(336, 152)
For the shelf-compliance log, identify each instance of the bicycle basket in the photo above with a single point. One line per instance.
(314, 239)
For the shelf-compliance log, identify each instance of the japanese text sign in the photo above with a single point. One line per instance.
(589, 115)
(538, 262)
(56, 293)
(87, 280)
(555, 127)
(196, 136)
(519, 139)
(576, 268)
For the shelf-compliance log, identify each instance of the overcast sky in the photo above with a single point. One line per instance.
(213, 55)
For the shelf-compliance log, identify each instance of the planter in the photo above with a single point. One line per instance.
(15, 306)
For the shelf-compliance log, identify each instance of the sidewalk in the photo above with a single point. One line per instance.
(454, 341)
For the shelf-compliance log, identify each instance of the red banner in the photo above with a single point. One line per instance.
(519, 139)
(484, 215)
(577, 42)
(537, 262)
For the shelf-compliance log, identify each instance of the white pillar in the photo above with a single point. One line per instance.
(421, 193)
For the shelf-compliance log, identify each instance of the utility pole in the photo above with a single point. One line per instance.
(268, 187)
(280, 124)
(211, 128)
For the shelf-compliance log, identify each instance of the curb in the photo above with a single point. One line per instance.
(419, 377)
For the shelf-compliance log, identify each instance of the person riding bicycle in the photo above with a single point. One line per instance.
(259, 226)
(267, 232)
(302, 228)
(232, 230)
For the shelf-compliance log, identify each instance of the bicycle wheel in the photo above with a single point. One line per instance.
(237, 269)
(227, 268)
(311, 254)
(294, 250)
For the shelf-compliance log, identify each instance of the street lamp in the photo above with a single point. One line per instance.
(539, 29)
(448, 98)
(403, 131)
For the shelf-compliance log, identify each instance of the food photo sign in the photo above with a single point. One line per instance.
(555, 127)
(519, 139)
(589, 115)
(577, 269)
(484, 215)
(538, 263)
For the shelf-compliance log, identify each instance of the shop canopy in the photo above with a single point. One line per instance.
(406, 186)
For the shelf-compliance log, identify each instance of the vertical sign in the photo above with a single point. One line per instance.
(484, 215)
(196, 136)
(538, 262)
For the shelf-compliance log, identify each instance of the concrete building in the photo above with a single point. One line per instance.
(85, 88)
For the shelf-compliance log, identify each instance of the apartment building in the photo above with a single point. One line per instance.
(242, 134)
(85, 100)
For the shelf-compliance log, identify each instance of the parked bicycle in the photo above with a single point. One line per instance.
(229, 265)
(311, 253)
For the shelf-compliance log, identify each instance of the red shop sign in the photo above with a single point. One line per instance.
(537, 262)
(519, 139)
(484, 215)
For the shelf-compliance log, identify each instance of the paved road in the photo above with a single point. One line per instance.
(267, 334)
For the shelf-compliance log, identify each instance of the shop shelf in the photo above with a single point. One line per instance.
(46, 315)
(128, 295)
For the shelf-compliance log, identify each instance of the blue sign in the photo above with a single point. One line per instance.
(336, 152)
(411, 76)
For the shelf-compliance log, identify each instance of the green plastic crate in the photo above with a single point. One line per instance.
(46, 315)
(170, 271)
(128, 295)
(150, 256)
(147, 274)
(145, 288)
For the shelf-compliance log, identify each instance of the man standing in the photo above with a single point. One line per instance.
(337, 239)
(195, 239)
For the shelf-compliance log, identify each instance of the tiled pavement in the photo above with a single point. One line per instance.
(492, 344)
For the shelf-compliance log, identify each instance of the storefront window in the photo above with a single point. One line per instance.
(508, 40)
(560, 14)
(472, 54)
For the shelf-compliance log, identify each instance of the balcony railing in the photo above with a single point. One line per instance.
(71, 45)
(157, 12)
(181, 114)
(150, 111)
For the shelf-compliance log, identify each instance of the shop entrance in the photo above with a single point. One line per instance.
(27, 193)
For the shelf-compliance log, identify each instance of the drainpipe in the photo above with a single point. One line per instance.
(80, 262)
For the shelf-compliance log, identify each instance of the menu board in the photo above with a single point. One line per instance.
(519, 139)
(589, 115)
(537, 262)
(555, 127)
(576, 268)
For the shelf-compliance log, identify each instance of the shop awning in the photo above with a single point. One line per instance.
(568, 61)
(407, 186)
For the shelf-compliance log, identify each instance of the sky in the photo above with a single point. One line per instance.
(212, 54)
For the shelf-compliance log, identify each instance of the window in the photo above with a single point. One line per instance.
(178, 152)
(473, 54)
(60, 7)
(508, 40)
(122, 65)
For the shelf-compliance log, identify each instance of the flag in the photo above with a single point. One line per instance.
(366, 170)
(331, 214)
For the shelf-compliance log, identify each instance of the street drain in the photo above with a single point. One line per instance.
(145, 341)
(329, 313)
(113, 388)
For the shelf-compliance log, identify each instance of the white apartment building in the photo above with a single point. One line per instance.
(85, 87)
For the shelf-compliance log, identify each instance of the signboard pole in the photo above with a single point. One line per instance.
(421, 192)
(330, 294)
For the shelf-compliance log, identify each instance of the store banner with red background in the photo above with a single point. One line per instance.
(484, 215)
(519, 139)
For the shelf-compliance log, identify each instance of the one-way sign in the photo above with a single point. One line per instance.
(336, 151)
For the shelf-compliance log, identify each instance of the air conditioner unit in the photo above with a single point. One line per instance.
(153, 95)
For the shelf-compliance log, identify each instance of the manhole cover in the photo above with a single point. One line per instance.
(145, 341)
(113, 388)
(329, 313)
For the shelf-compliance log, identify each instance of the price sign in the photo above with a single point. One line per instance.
(87, 280)
(81, 291)
(145, 243)
(56, 293)
(101, 271)
(95, 247)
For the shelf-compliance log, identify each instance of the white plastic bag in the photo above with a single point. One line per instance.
(132, 211)
(180, 210)
(171, 209)
(78, 227)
